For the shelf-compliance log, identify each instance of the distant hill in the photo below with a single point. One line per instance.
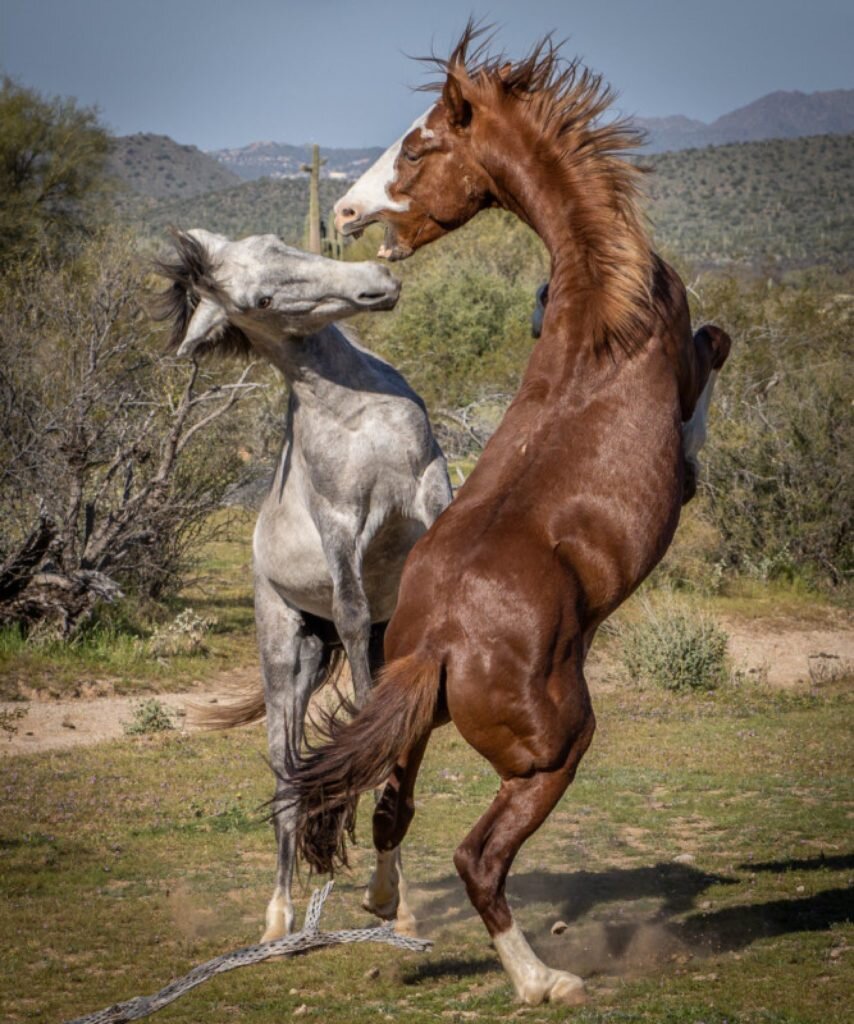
(279, 160)
(779, 115)
(784, 203)
(274, 206)
(157, 167)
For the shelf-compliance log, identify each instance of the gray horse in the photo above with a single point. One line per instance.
(360, 478)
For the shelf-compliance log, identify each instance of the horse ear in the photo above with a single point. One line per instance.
(458, 107)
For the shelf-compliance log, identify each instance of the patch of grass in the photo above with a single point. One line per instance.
(675, 650)
(114, 650)
(124, 865)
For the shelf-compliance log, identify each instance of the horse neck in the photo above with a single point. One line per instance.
(315, 366)
(600, 259)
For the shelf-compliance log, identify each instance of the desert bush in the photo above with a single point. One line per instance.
(461, 333)
(675, 650)
(150, 716)
(10, 719)
(105, 484)
(184, 635)
(778, 483)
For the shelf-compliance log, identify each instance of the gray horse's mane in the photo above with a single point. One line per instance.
(193, 274)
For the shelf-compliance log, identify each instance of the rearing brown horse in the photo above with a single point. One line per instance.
(572, 503)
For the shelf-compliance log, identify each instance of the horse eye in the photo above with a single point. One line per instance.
(264, 302)
(411, 158)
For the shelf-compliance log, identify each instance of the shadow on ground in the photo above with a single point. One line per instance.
(629, 919)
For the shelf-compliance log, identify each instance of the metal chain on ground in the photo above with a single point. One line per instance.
(300, 942)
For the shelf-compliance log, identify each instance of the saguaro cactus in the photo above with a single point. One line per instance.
(313, 169)
(334, 240)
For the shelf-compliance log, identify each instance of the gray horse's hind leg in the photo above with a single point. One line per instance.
(294, 662)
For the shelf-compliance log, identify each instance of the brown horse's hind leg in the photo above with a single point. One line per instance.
(483, 860)
(386, 893)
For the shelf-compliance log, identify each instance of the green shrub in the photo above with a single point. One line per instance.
(777, 481)
(675, 650)
(150, 716)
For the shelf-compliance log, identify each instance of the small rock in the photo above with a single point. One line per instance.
(799, 888)
(68, 724)
(559, 927)
(684, 858)
(300, 1010)
(293, 992)
(706, 905)
(372, 973)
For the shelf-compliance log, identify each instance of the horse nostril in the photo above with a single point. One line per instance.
(371, 296)
(348, 211)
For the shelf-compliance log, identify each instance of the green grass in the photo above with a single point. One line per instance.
(124, 865)
(112, 652)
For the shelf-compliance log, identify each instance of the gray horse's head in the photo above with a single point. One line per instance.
(224, 293)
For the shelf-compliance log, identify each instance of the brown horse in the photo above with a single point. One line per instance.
(574, 500)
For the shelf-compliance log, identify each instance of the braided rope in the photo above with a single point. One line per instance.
(309, 938)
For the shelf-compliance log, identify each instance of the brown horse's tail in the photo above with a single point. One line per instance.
(245, 705)
(357, 754)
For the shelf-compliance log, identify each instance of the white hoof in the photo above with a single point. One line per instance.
(534, 982)
(567, 989)
(405, 924)
(382, 905)
(280, 919)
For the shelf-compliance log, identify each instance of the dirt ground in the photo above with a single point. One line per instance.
(779, 654)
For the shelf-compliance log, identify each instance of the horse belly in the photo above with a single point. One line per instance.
(383, 564)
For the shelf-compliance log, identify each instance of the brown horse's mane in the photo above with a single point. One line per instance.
(192, 272)
(564, 100)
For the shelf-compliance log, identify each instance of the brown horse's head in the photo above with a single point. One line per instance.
(527, 136)
(431, 180)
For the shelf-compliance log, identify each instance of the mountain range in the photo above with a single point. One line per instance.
(280, 160)
(779, 115)
(156, 167)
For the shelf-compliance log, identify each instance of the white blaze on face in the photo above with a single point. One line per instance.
(370, 195)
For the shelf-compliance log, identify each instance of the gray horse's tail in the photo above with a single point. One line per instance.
(357, 754)
(245, 705)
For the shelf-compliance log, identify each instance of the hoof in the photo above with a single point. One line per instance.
(273, 933)
(407, 926)
(568, 991)
(386, 910)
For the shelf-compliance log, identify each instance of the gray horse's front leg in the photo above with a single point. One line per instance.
(386, 892)
(293, 663)
(351, 614)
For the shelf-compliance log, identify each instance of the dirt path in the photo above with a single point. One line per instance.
(777, 653)
(785, 657)
(61, 724)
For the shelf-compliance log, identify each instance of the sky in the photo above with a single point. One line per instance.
(223, 73)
